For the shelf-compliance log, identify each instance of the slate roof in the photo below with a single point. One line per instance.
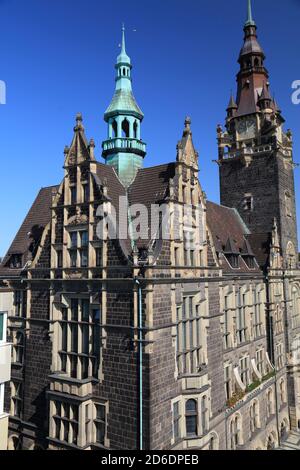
(260, 243)
(38, 215)
(230, 234)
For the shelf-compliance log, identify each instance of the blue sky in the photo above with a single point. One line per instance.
(57, 58)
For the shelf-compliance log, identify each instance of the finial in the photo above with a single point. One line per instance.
(187, 125)
(250, 21)
(79, 120)
(123, 39)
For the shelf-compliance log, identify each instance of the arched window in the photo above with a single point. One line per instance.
(235, 432)
(135, 129)
(271, 442)
(191, 418)
(256, 62)
(254, 417)
(213, 442)
(125, 128)
(295, 307)
(124, 71)
(115, 128)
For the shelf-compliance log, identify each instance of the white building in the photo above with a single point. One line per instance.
(5, 363)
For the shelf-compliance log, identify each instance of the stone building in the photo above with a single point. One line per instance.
(186, 336)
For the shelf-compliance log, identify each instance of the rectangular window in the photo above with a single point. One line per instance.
(84, 237)
(176, 421)
(100, 424)
(260, 361)
(73, 195)
(66, 422)
(244, 370)
(18, 301)
(80, 339)
(73, 237)
(227, 373)
(84, 258)
(98, 257)
(59, 258)
(86, 193)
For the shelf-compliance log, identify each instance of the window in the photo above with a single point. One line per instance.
(73, 191)
(204, 414)
(176, 421)
(244, 370)
(66, 422)
(227, 373)
(18, 303)
(80, 342)
(235, 432)
(15, 261)
(241, 317)
(260, 361)
(295, 307)
(248, 203)
(227, 330)
(233, 260)
(16, 398)
(125, 128)
(98, 257)
(191, 418)
(279, 356)
(100, 424)
(19, 347)
(78, 249)
(135, 130)
(254, 417)
(59, 258)
(190, 357)
(250, 261)
(257, 324)
(114, 129)
(278, 320)
(86, 193)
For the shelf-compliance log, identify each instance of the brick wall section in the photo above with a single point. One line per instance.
(215, 351)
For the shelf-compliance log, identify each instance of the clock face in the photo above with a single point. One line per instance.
(246, 129)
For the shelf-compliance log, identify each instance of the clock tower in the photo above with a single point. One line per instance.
(255, 153)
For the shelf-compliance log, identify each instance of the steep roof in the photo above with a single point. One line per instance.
(230, 234)
(151, 187)
(39, 215)
(260, 243)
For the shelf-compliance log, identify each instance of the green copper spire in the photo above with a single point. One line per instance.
(124, 148)
(123, 58)
(250, 21)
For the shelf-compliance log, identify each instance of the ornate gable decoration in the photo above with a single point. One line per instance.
(186, 152)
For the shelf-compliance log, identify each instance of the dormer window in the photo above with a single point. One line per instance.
(15, 261)
(248, 203)
(250, 261)
(233, 260)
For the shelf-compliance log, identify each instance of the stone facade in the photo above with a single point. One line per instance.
(158, 343)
